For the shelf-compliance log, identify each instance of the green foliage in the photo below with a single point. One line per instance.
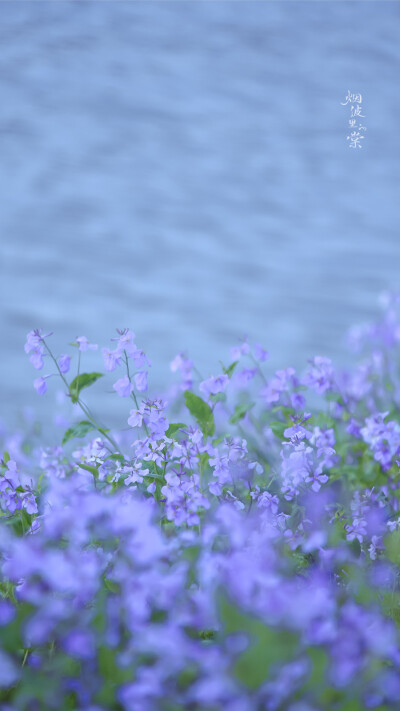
(84, 380)
(79, 430)
(6, 457)
(89, 468)
(267, 646)
(229, 370)
(392, 545)
(174, 428)
(240, 412)
(202, 413)
(113, 676)
(278, 429)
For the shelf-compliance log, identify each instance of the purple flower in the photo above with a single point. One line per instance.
(260, 353)
(182, 363)
(281, 382)
(123, 387)
(111, 358)
(135, 418)
(214, 385)
(8, 671)
(84, 344)
(79, 643)
(64, 363)
(126, 342)
(238, 351)
(141, 381)
(40, 385)
(7, 612)
(321, 374)
(36, 357)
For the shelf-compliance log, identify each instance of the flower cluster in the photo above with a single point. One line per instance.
(236, 547)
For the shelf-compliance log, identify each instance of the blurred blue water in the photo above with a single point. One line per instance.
(183, 169)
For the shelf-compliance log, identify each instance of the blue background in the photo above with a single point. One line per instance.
(183, 169)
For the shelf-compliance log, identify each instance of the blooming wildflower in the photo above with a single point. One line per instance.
(8, 671)
(214, 385)
(64, 363)
(394, 525)
(135, 473)
(126, 342)
(79, 643)
(268, 501)
(7, 612)
(356, 530)
(84, 344)
(123, 387)
(281, 382)
(135, 418)
(353, 428)
(297, 401)
(238, 351)
(36, 357)
(140, 359)
(34, 339)
(182, 363)
(296, 433)
(141, 381)
(111, 358)
(260, 353)
(244, 376)
(374, 547)
(40, 385)
(321, 374)
(256, 466)
(382, 437)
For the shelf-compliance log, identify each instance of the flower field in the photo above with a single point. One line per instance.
(236, 548)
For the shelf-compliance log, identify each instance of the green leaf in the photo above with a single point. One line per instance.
(267, 646)
(117, 458)
(103, 430)
(218, 397)
(112, 586)
(82, 381)
(79, 430)
(240, 412)
(229, 370)
(6, 457)
(174, 428)
(278, 429)
(89, 468)
(112, 675)
(392, 545)
(201, 411)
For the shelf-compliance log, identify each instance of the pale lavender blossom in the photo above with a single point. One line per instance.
(123, 387)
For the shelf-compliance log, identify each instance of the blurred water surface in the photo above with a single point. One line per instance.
(183, 169)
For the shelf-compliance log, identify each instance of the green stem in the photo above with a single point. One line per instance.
(79, 402)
